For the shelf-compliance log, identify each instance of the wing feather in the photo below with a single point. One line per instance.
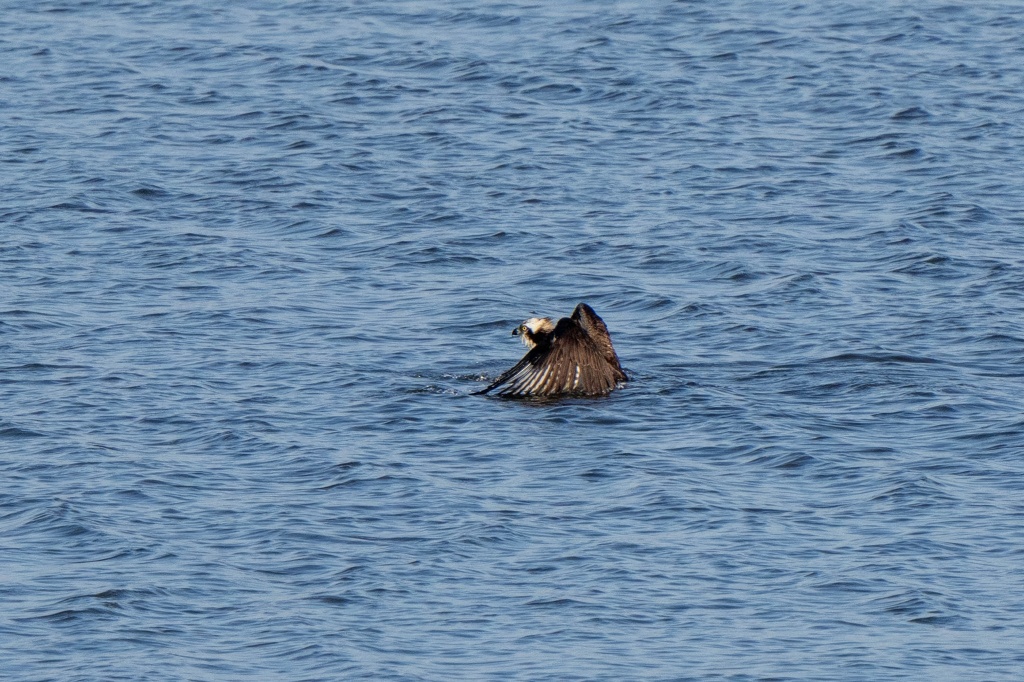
(595, 328)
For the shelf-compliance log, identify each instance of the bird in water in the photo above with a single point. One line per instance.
(571, 357)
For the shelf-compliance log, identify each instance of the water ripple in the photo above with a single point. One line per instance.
(257, 258)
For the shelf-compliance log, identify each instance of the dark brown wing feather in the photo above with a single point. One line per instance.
(571, 363)
(596, 329)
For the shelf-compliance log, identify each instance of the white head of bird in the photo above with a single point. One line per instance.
(531, 328)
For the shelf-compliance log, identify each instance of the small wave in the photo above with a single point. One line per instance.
(881, 358)
(911, 114)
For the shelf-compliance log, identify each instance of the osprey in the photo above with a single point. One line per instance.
(573, 357)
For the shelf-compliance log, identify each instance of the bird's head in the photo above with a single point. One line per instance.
(533, 327)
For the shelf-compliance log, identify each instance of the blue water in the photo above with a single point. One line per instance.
(255, 258)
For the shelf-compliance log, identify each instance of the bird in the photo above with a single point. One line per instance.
(571, 357)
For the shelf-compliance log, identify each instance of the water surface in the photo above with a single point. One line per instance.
(255, 258)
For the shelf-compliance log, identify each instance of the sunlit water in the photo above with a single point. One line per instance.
(255, 258)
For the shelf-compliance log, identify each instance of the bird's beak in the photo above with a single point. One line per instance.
(515, 332)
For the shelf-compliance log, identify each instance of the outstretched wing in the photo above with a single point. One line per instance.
(596, 329)
(570, 363)
(523, 365)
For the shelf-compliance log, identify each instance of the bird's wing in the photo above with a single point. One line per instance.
(596, 329)
(572, 363)
(516, 369)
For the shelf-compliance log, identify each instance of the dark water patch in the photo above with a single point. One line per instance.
(150, 193)
(884, 358)
(792, 460)
(17, 432)
(554, 91)
(913, 113)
